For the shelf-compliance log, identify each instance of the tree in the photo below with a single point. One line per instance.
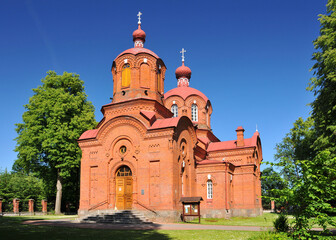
(56, 115)
(270, 181)
(324, 83)
(294, 147)
(307, 155)
(309, 178)
(20, 185)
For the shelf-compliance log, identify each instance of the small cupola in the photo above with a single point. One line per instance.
(139, 35)
(183, 73)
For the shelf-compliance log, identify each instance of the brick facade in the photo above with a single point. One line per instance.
(168, 157)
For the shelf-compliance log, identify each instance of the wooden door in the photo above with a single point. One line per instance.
(124, 188)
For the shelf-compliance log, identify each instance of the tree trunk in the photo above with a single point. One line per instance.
(58, 194)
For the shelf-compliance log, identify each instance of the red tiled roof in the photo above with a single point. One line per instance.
(164, 123)
(89, 134)
(185, 92)
(148, 114)
(137, 51)
(204, 140)
(248, 142)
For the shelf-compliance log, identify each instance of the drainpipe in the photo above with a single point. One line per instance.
(226, 187)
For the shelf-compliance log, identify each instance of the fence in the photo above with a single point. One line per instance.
(25, 206)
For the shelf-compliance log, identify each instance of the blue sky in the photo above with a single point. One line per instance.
(251, 58)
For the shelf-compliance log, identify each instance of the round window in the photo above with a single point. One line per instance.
(123, 149)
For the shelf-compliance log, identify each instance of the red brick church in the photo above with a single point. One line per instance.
(151, 148)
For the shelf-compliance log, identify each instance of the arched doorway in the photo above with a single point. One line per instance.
(124, 188)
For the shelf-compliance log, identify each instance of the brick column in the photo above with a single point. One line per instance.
(16, 204)
(272, 206)
(1, 206)
(44, 206)
(31, 206)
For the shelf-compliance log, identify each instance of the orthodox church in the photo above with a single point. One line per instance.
(153, 148)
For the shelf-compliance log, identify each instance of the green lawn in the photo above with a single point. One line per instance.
(266, 220)
(12, 228)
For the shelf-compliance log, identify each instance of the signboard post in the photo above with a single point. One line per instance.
(191, 207)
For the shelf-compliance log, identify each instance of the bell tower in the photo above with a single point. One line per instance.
(138, 72)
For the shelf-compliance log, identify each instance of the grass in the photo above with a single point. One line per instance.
(12, 228)
(265, 220)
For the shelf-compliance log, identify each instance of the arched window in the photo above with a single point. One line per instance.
(126, 76)
(174, 110)
(209, 189)
(194, 113)
(159, 81)
(124, 171)
(144, 75)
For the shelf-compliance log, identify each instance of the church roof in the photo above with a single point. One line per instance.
(89, 134)
(164, 123)
(138, 50)
(185, 92)
(232, 144)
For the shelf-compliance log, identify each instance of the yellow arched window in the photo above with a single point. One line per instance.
(126, 76)
(144, 75)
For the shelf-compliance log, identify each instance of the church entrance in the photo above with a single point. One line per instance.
(124, 188)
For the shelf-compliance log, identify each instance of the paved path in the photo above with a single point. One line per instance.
(152, 226)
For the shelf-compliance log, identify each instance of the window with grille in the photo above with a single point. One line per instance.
(194, 113)
(209, 189)
(124, 171)
(174, 110)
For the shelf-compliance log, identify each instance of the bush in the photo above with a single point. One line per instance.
(281, 223)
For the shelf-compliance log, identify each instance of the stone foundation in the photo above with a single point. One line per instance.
(215, 213)
(247, 212)
(170, 216)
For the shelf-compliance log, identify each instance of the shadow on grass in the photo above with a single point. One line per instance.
(12, 228)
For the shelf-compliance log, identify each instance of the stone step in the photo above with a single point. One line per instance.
(119, 217)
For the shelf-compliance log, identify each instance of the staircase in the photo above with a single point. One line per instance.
(119, 217)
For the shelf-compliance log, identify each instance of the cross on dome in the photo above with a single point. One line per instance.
(183, 73)
(139, 36)
(183, 51)
(139, 17)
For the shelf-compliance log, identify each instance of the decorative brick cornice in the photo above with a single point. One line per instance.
(120, 121)
(225, 153)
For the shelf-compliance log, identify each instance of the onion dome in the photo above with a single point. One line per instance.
(139, 37)
(183, 72)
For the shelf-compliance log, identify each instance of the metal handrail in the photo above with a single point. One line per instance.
(97, 205)
(144, 206)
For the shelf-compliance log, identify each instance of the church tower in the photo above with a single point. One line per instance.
(138, 72)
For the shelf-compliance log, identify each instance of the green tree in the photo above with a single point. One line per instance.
(309, 178)
(56, 115)
(324, 83)
(20, 185)
(270, 182)
(294, 147)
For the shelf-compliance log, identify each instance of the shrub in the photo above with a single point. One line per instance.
(281, 223)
